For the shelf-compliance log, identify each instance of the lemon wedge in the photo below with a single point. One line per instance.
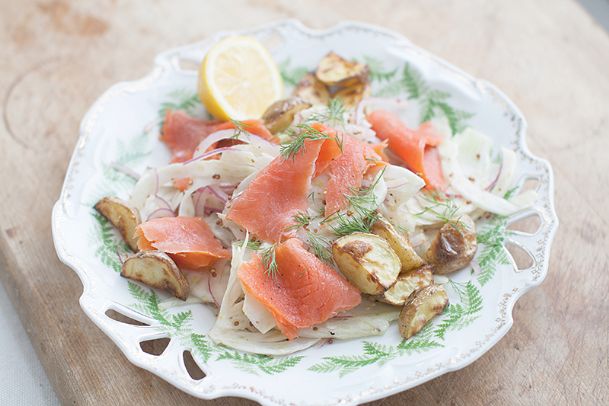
(238, 79)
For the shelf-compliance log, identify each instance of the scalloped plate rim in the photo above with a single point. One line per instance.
(160, 64)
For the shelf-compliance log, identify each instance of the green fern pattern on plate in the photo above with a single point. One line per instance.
(255, 363)
(251, 363)
(178, 325)
(148, 304)
(116, 182)
(433, 102)
(422, 341)
(389, 83)
(376, 72)
(456, 317)
(202, 346)
(376, 354)
(182, 99)
(291, 75)
(372, 353)
(128, 153)
(492, 253)
(460, 315)
(110, 246)
(134, 150)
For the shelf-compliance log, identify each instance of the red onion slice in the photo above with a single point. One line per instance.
(245, 137)
(210, 153)
(213, 138)
(209, 210)
(160, 212)
(163, 201)
(228, 187)
(214, 190)
(494, 182)
(201, 200)
(395, 185)
(211, 291)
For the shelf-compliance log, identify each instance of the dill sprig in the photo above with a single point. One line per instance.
(268, 260)
(350, 223)
(301, 220)
(290, 149)
(364, 197)
(239, 128)
(253, 245)
(442, 208)
(320, 246)
(362, 213)
(334, 113)
(510, 193)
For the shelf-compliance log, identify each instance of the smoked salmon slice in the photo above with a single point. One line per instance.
(429, 134)
(379, 149)
(187, 240)
(432, 167)
(183, 133)
(255, 127)
(305, 291)
(182, 183)
(347, 171)
(267, 207)
(329, 150)
(411, 146)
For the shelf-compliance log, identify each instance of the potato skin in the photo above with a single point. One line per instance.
(453, 247)
(335, 77)
(334, 70)
(421, 308)
(367, 261)
(156, 269)
(409, 259)
(121, 216)
(279, 115)
(407, 284)
(312, 90)
(352, 95)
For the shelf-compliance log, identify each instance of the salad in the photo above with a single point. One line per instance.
(318, 216)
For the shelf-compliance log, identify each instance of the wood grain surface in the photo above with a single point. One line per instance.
(549, 56)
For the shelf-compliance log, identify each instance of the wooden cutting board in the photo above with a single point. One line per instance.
(549, 56)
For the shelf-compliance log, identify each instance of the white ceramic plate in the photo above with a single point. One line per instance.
(122, 128)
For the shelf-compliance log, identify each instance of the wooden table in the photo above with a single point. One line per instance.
(549, 56)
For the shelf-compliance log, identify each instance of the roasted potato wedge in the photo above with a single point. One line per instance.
(279, 115)
(400, 244)
(334, 70)
(352, 95)
(421, 308)
(123, 217)
(312, 90)
(156, 269)
(367, 261)
(407, 284)
(453, 247)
